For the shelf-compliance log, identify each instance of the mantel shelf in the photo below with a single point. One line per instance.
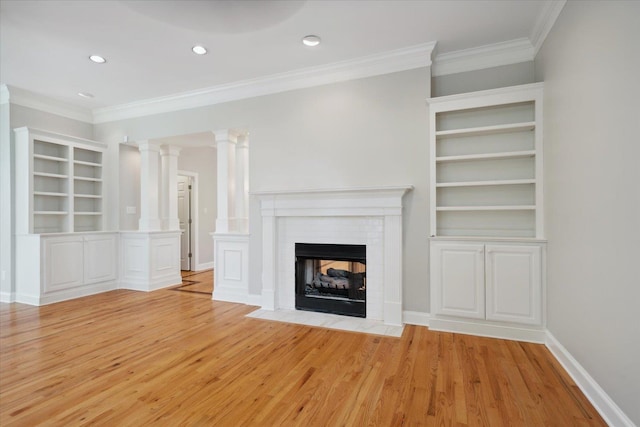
(487, 130)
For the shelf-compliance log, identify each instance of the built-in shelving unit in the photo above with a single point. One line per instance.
(486, 249)
(59, 185)
(486, 163)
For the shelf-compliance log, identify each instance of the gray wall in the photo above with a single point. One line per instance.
(488, 78)
(364, 132)
(129, 168)
(590, 64)
(203, 162)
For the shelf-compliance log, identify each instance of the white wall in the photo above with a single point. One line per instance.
(590, 64)
(129, 168)
(203, 162)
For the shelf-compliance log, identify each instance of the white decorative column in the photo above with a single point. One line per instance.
(170, 219)
(226, 146)
(150, 257)
(242, 184)
(149, 193)
(231, 238)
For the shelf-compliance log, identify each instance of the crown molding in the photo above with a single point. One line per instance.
(388, 62)
(487, 56)
(545, 22)
(39, 102)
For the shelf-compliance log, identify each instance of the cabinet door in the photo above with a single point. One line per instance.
(457, 279)
(99, 258)
(62, 263)
(514, 283)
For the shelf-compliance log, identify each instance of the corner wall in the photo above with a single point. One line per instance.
(589, 63)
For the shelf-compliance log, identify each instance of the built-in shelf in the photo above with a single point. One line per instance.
(486, 183)
(78, 162)
(487, 156)
(49, 194)
(485, 152)
(486, 130)
(59, 183)
(50, 212)
(50, 175)
(486, 208)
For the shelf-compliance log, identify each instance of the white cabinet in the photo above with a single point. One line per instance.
(63, 266)
(458, 269)
(493, 283)
(513, 279)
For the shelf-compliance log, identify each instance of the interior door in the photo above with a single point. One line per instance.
(184, 216)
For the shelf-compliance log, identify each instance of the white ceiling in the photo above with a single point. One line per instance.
(44, 45)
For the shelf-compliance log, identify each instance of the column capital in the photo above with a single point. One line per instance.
(148, 146)
(169, 150)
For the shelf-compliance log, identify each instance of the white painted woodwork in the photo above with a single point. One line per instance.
(231, 267)
(242, 184)
(59, 183)
(57, 267)
(361, 216)
(226, 154)
(513, 283)
(457, 280)
(149, 260)
(100, 258)
(488, 287)
(149, 183)
(487, 145)
(169, 162)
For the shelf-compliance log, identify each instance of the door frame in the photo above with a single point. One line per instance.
(195, 259)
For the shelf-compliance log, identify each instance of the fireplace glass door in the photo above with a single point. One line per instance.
(331, 278)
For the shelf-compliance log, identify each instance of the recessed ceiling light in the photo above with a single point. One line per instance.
(311, 40)
(97, 59)
(199, 50)
(85, 94)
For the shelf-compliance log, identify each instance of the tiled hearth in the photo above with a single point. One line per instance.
(358, 216)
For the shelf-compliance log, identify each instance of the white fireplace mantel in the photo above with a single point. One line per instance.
(370, 216)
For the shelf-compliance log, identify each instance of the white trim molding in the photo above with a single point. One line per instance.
(29, 99)
(7, 297)
(231, 267)
(353, 216)
(416, 318)
(4, 94)
(612, 414)
(373, 65)
(545, 22)
(488, 56)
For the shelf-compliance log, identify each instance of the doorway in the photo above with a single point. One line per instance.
(185, 187)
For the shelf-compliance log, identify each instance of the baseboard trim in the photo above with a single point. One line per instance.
(150, 285)
(8, 297)
(67, 294)
(204, 266)
(254, 299)
(229, 296)
(612, 414)
(416, 318)
(533, 335)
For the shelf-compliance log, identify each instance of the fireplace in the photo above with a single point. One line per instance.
(331, 278)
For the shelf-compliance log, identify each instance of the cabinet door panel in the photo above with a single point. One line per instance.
(457, 280)
(62, 263)
(99, 258)
(514, 286)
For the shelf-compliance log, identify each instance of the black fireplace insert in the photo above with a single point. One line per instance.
(331, 278)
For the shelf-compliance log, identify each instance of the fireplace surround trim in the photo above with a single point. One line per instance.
(365, 215)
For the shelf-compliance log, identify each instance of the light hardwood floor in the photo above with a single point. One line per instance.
(174, 357)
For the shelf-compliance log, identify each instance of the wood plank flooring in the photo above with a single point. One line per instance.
(174, 358)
